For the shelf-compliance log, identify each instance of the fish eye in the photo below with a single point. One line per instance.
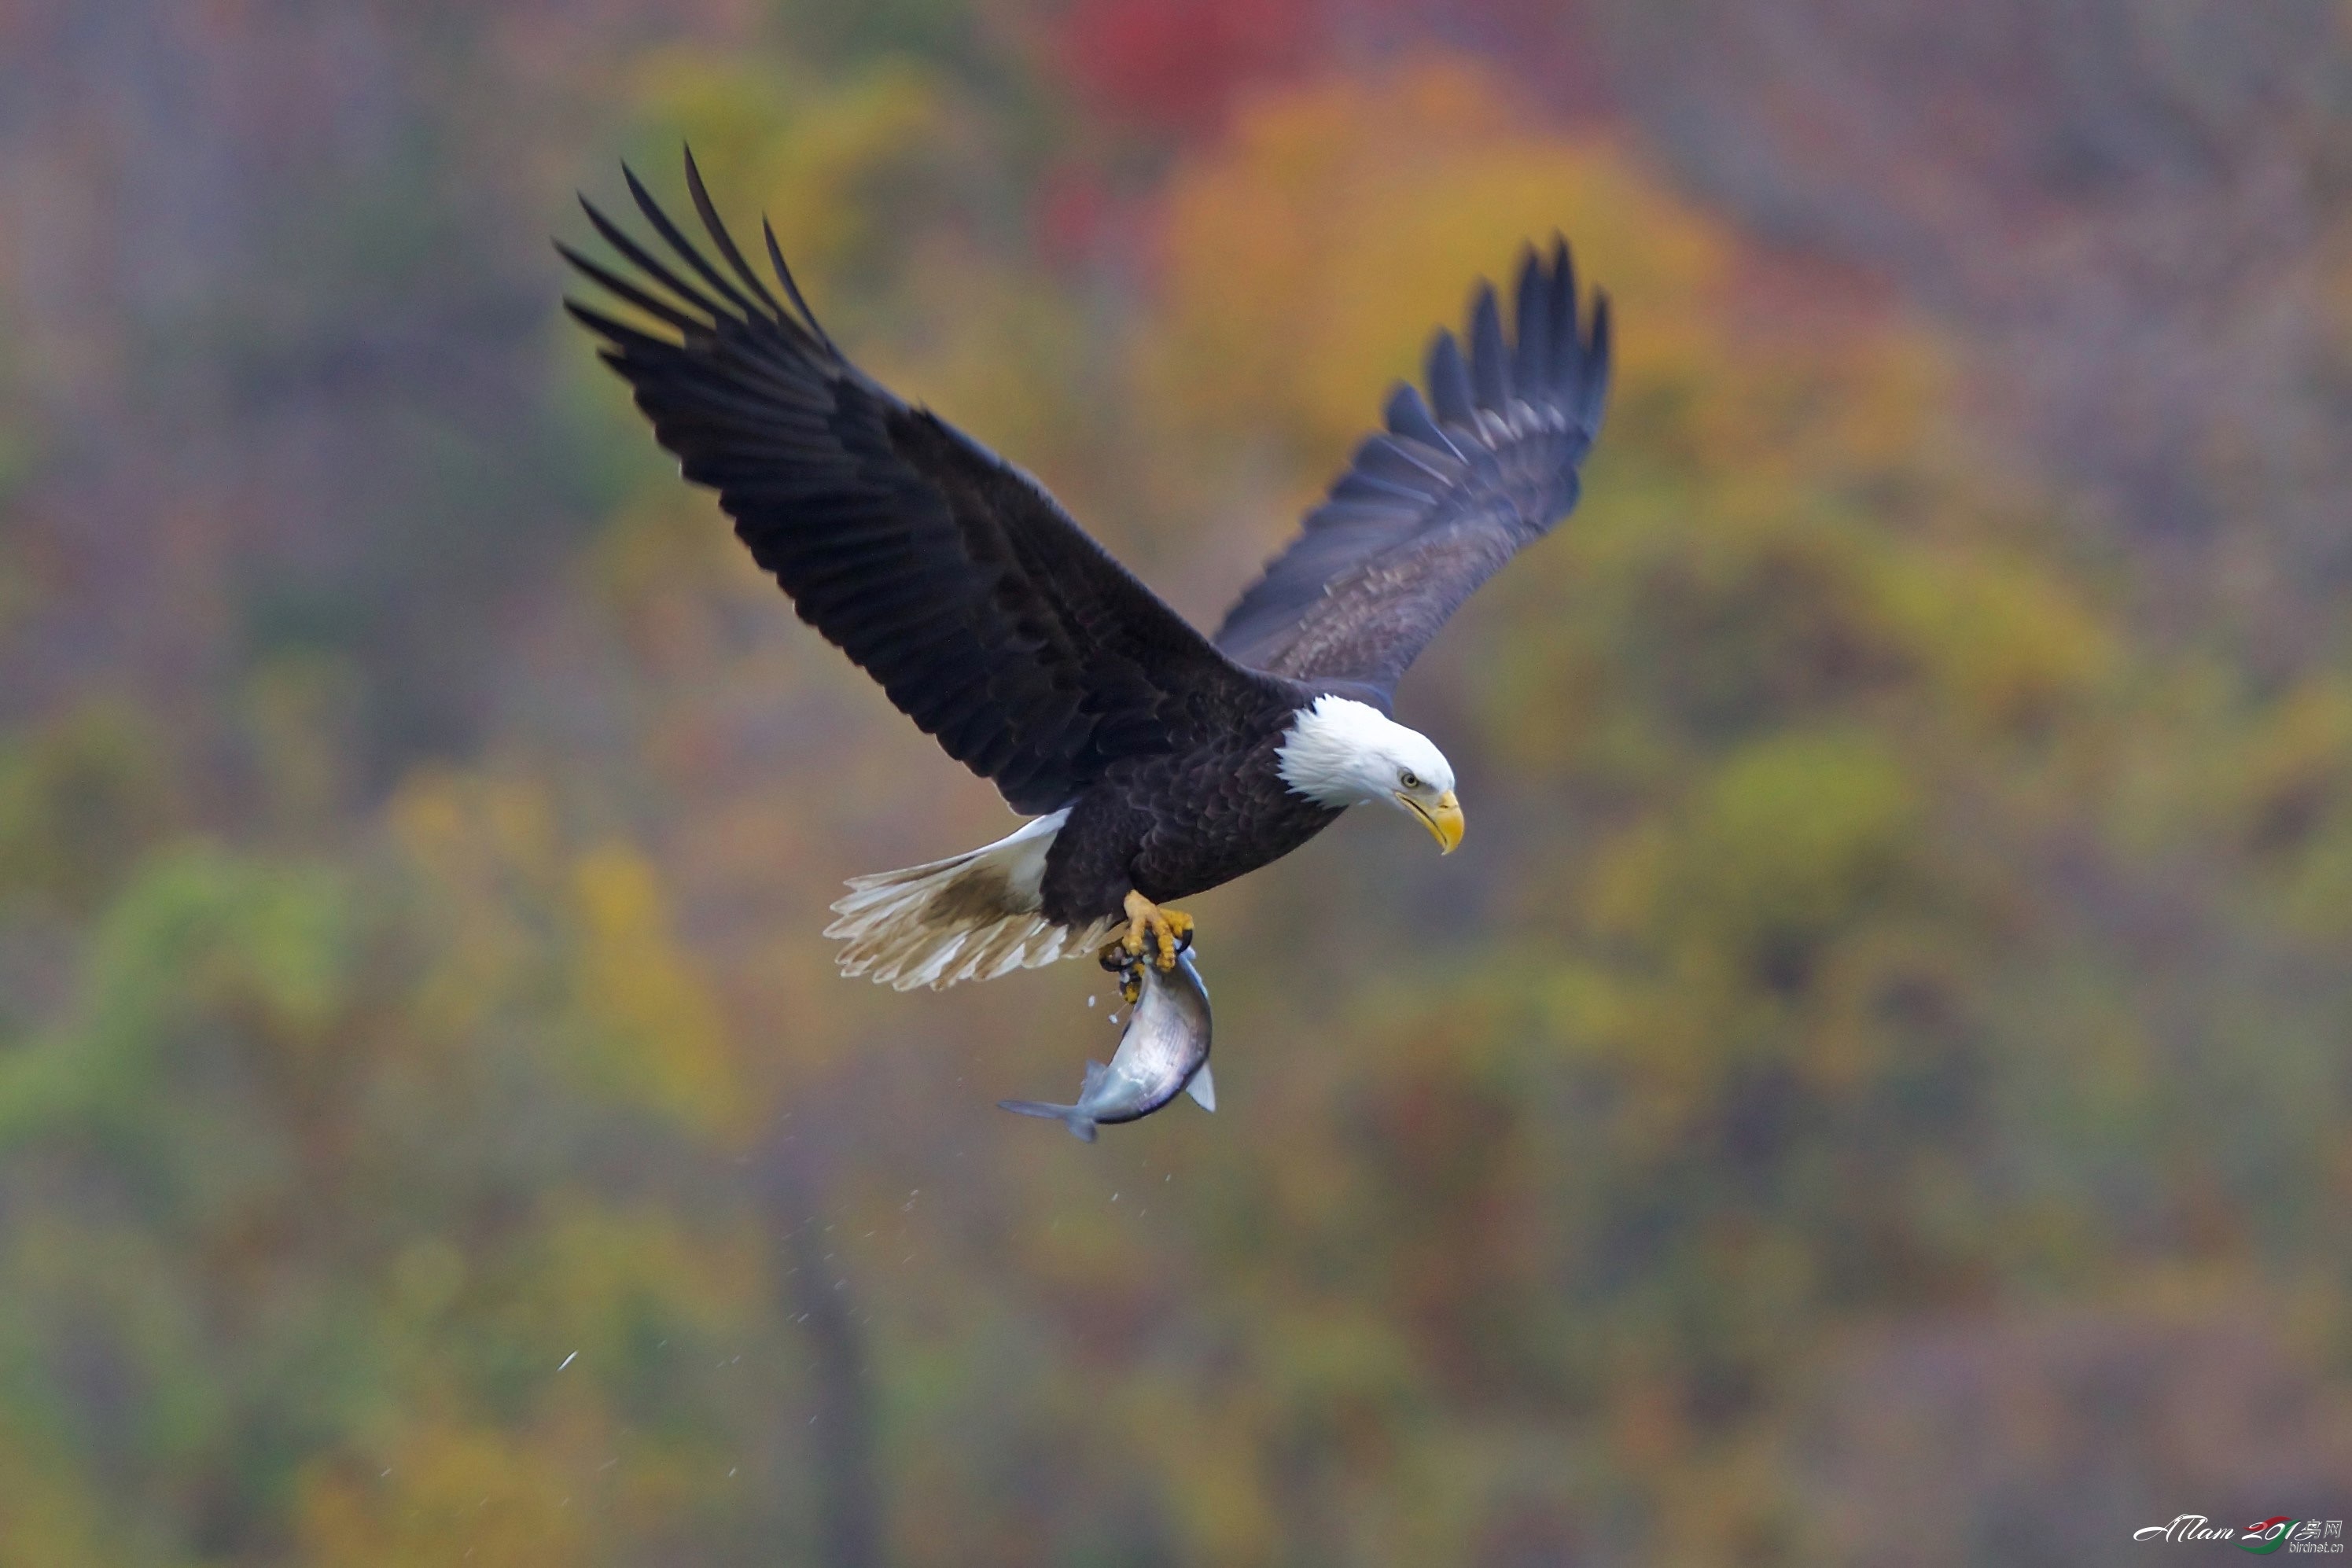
(1408, 779)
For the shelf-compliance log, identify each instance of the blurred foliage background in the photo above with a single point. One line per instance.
(1873, 1088)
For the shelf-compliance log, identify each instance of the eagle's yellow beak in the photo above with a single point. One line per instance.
(1444, 820)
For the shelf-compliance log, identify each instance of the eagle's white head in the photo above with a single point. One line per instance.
(1342, 752)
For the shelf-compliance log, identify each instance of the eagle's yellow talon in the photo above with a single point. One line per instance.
(1175, 931)
(1127, 963)
(1161, 933)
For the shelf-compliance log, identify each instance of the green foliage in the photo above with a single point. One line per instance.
(81, 799)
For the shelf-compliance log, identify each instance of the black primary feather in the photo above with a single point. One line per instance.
(1376, 569)
(987, 614)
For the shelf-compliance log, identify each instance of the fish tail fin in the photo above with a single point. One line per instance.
(972, 915)
(1081, 1126)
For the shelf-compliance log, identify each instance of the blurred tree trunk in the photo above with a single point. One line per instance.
(848, 1497)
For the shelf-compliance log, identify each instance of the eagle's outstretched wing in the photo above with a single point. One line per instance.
(1433, 507)
(948, 575)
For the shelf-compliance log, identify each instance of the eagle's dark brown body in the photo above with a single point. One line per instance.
(1169, 827)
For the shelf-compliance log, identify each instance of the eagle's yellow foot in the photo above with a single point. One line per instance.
(1155, 934)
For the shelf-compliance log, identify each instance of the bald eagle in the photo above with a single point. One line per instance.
(1155, 762)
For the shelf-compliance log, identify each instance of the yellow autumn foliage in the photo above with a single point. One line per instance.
(1304, 272)
(655, 1032)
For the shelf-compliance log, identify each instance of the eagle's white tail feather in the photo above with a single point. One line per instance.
(970, 917)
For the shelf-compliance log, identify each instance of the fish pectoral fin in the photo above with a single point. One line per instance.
(1203, 1089)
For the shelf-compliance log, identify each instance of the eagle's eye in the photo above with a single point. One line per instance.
(1408, 779)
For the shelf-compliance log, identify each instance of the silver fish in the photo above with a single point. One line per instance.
(1164, 1053)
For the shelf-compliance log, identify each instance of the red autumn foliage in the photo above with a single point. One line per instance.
(1177, 65)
